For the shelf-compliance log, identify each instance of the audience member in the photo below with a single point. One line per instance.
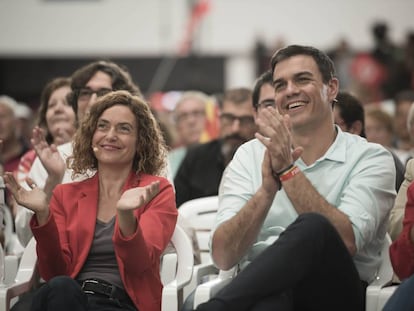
(55, 116)
(24, 116)
(302, 173)
(190, 122)
(200, 172)
(379, 127)
(402, 259)
(404, 143)
(397, 213)
(349, 116)
(391, 58)
(13, 144)
(88, 83)
(125, 213)
(263, 94)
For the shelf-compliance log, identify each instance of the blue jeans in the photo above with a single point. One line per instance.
(403, 298)
(65, 294)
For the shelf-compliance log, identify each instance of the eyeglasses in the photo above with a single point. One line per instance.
(266, 103)
(85, 94)
(196, 114)
(228, 119)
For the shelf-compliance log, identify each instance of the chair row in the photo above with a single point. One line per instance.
(179, 274)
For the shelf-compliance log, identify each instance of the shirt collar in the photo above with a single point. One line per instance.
(336, 152)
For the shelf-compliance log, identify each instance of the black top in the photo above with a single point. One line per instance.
(200, 172)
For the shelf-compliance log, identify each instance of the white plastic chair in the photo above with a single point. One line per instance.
(200, 214)
(378, 291)
(178, 266)
(26, 278)
(11, 242)
(173, 292)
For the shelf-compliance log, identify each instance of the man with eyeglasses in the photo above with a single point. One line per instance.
(200, 172)
(88, 83)
(263, 93)
(190, 122)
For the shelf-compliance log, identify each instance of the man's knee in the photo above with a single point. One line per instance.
(316, 224)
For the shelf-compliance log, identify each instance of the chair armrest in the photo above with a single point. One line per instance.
(168, 268)
(209, 289)
(11, 265)
(172, 294)
(373, 292)
(199, 272)
(18, 287)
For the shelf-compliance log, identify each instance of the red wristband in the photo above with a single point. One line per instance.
(289, 174)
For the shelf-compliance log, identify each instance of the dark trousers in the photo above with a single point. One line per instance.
(65, 294)
(307, 268)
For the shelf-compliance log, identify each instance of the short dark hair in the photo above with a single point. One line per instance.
(237, 95)
(324, 63)
(350, 110)
(121, 79)
(265, 78)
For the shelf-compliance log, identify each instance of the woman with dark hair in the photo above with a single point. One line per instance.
(55, 116)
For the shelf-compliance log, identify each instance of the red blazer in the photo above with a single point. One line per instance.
(63, 243)
(402, 249)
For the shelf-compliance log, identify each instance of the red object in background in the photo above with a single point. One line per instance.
(368, 71)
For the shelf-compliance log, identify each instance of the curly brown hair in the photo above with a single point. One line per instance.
(151, 156)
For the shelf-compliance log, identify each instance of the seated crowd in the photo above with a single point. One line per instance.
(306, 174)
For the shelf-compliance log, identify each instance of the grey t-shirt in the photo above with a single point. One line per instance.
(101, 262)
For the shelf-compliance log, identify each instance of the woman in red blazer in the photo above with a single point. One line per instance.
(99, 241)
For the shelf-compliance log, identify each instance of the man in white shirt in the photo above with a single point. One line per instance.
(331, 190)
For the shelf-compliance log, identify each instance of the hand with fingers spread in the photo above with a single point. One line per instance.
(137, 197)
(48, 154)
(274, 133)
(34, 199)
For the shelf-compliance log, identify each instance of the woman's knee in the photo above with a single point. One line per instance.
(64, 283)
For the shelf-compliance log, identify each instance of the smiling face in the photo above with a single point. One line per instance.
(60, 117)
(115, 137)
(301, 93)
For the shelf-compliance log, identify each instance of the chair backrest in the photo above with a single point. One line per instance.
(27, 267)
(27, 277)
(12, 244)
(176, 270)
(201, 214)
(374, 300)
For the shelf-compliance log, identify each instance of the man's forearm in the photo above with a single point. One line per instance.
(308, 200)
(234, 237)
